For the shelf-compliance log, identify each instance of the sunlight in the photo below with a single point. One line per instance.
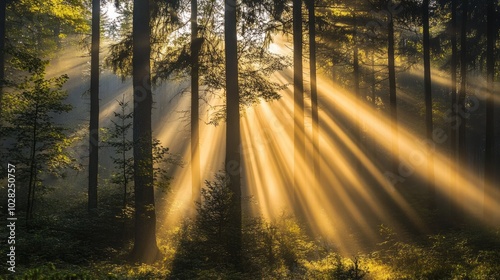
(354, 192)
(111, 12)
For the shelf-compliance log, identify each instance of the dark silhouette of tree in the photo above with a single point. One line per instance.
(94, 106)
(119, 141)
(463, 85)
(3, 7)
(391, 65)
(314, 91)
(195, 127)
(453, 69)
(298, 97)
(489, 151)
(356, 72)
(428, 100)
(145, 247)
(233, 141)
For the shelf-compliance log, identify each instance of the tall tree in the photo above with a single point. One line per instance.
(489, 152)
(145, 246)
(314, 90)
(463, 84)
(233, 164)
(195, 138)
(392, 91)
(3, 7)
(453, 66)
(94, 106)
(357, 73)
(40, 142)
(122, 146)
(298, 96)
(428, 98)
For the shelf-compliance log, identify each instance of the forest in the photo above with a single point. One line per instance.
(250, 139)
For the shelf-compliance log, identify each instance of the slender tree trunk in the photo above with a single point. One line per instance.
(428, 104)
(356, 84)
(298, 94)
(334, 77)
(314, 90)
(461, 113)
(373, 96)
(33, 170)
(454, 63)
(3, 7)
(489, 152)
(94, 107)
(373, 80)
(463, 84)
(145, 247)
(124, 157)
(233, 164)
(454, 208)
(392, 95)
(195, 137)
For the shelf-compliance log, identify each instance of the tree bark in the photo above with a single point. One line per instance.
(195, 138)
(489, 152)
(298, 94)
(454, 117)
(428, 103)
(453, 66)
(392, 94)
(94, 107)
(33, 170)
(463, 84)
(3, 7)
(356, 85)
(233, 164)
(314, 89)
(145, 247)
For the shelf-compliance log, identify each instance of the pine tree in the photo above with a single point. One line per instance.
(233, 140)
(122, 145)
(94, 106)
(145, 246)
(40, 143)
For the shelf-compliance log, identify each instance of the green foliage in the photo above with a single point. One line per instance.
(36, 27)
(213, 211)
(449, 256)
(163, 161)
(171, 53)
(119, 140)
(38, 143)
(271, 250)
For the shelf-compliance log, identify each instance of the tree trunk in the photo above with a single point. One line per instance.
(356, 86)
(454, 63)
(314, 90)
(428, 103)
(461, 97)
(392, 95)
(454, 210)
(94, 107)
(489, 152)
(195, 142)
(3, 7)
(373, 81)
(33, 170)
(145, 247)
(298, 94)
(460, 112)
(233, 164)
(124, 156)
